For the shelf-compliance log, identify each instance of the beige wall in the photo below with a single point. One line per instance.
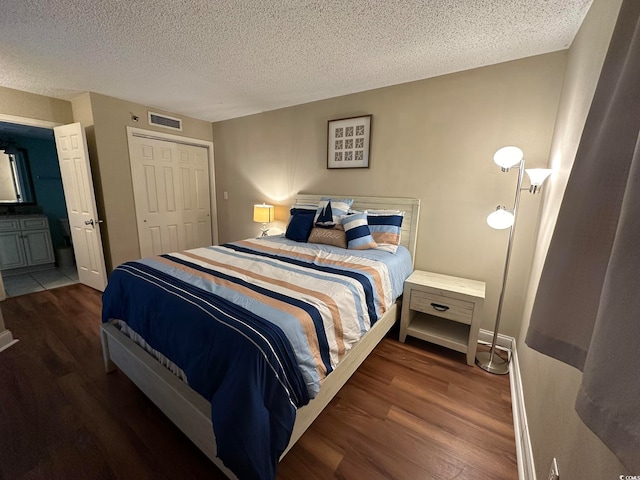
(432, 139)
(29, 105)
(17, 105)
(550, 387)
(105, 120)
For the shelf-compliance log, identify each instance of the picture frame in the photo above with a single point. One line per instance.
(349, 141)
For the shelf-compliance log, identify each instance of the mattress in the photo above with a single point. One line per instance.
(255, 326)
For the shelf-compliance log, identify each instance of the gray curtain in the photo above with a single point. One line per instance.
(587, 307)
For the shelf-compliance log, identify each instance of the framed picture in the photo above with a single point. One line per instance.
(348, 142)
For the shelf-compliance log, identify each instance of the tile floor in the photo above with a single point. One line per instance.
(37, 281)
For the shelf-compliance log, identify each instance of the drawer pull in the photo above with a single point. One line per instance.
(440, 308)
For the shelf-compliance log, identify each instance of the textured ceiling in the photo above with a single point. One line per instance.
(221, 59)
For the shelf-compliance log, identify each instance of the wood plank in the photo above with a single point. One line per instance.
(412, 410)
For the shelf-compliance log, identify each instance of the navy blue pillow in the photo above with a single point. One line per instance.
(302, 211)
(299, 227)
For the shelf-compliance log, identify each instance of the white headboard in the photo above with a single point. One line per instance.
(411, 207)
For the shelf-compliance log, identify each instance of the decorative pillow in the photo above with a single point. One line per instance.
(330, 210)
(358, 233)
(385, 212)
(385, 229)
(304, 208)
(300, 226)
(328, 236)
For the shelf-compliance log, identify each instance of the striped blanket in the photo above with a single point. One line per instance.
(256, 326)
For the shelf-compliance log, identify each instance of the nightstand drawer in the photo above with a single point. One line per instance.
(440, 306)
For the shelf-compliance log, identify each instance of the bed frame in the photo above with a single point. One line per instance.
(191, 413)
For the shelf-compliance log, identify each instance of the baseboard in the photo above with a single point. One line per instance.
(524, 454)
(486, 336)
(526, 468)
(6, 340)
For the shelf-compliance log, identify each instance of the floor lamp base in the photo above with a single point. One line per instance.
(495, 364)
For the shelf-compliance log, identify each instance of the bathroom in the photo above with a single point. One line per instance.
(35, 244)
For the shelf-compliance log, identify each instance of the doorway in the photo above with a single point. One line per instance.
(35, 208)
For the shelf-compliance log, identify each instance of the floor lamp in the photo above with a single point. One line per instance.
(507, 158)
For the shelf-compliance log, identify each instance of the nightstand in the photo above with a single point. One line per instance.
(443, 310)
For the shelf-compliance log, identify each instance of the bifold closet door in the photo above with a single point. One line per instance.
(171, 192)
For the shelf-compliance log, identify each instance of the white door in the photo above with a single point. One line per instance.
(171, 192)
(196, 206)
(81, 205)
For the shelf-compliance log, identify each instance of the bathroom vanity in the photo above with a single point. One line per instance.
(25, 243)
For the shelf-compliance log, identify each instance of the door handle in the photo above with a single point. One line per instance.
(439, 307)
(91, 222)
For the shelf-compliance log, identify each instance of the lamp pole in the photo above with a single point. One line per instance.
(489, 361)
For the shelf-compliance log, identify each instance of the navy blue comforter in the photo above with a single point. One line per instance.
(248, 371)
(256, 326)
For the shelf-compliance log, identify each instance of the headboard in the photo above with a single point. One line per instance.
(411, 207)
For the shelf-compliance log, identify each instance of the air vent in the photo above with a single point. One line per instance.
(165, 121)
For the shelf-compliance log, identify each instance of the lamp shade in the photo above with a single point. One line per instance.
(263, 213)
(507, 157)
(500, 219)
(537, 176)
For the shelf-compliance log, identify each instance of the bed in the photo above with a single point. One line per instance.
(192, 412)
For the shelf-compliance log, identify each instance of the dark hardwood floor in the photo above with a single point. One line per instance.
(412, 411)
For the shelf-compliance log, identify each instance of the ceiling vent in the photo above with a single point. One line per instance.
(165, 121)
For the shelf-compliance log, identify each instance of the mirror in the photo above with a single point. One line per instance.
(16, 187)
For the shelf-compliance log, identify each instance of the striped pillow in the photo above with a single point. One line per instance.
(385, 229)
(330, 210)
(358, 233)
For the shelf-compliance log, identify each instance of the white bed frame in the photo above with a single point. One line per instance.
(191, 413)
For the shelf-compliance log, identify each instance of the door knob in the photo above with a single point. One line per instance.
(91, 222)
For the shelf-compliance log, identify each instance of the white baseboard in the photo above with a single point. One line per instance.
(524, 454)
(486, 336)
(526, 469)
(6, 340)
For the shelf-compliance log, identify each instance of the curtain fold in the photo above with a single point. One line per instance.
(587, 307)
